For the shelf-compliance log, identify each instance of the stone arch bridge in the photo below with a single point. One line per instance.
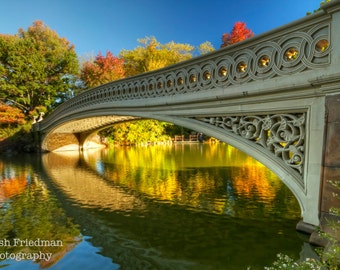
(275, 96)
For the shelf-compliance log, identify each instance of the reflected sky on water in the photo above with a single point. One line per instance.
(183, 206)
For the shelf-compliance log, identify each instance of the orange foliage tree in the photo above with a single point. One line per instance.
(102, 70)
(10, 115)
(240, 32)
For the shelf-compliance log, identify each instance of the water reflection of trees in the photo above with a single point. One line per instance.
(154, 206)
(198, 176)
(28, 211)
(10, 187)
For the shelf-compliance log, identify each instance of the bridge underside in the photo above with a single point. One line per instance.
(77, 134)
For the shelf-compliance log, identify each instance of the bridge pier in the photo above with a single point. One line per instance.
(329, 197)
(331, 154)
(89, 141)
(329, 193)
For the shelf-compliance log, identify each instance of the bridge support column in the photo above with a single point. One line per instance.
(330, 194)
(89, 141)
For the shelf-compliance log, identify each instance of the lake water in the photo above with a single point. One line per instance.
(180, 206)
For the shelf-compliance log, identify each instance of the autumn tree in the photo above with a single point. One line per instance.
(205, 47)
(37, 68)
(10, 116)
(102, 70)
(239, 32)
(152, 55)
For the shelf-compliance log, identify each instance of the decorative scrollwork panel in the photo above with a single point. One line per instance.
(281, 134)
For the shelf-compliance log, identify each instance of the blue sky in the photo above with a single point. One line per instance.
(101, 25)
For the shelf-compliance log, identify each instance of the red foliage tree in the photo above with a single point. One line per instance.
(240, 32)
(102, 70)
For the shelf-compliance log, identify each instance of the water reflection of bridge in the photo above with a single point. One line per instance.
(275, 97)
(133, 238)
(86, 187)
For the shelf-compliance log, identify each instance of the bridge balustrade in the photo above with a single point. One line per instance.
(286, 51)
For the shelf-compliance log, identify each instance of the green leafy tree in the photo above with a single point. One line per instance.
(37, 68)
(137, 132)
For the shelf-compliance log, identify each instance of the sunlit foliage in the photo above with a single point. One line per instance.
(206, 47)
(10, 116)
(137, 132)
(102, 70)
(151, 55)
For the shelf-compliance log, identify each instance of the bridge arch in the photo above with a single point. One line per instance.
(288, 176)
(79, 141)
(234, 125)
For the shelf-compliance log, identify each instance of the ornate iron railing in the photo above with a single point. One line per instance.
(301, 46)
